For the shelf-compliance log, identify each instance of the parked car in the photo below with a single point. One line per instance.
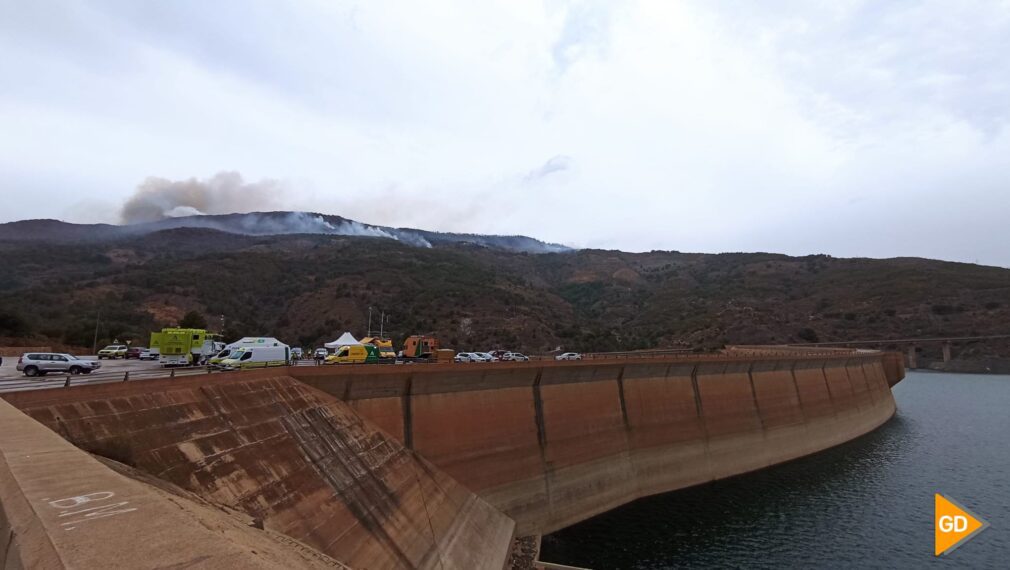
(497, 354)
(113, 351)
(487, 356)
(464, 357)
(569, 356)
(149, 354)
(320, 353)
(134, 352)
(515, 357)
(42, 363)
(296, 353)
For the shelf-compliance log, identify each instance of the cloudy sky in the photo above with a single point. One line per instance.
(850, 128)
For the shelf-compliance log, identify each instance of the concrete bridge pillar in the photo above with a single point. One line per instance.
(911, 357)
(946, 352)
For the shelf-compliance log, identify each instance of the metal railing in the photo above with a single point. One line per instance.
(65, 380)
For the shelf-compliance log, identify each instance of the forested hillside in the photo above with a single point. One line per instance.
(306, 289)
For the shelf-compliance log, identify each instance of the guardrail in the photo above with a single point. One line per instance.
(64, 380)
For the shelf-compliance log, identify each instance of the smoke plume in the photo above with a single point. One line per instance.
(225, 193)
(225, 202)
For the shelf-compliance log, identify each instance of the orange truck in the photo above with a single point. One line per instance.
(419, 346)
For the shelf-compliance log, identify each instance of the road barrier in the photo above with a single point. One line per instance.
(64, 380)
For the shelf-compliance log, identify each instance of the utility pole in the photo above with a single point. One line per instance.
(369, 322)
(94, 343)
(382, 324)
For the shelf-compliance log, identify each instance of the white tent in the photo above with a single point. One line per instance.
(344, 340)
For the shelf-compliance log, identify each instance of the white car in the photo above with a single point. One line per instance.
(148, 354)
(465, 357)
(488, 357)
(569, 356)
(320, 353)
(515, 357)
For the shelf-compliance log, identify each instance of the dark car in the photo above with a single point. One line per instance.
(134, 352)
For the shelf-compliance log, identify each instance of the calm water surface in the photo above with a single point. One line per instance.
(865, 504)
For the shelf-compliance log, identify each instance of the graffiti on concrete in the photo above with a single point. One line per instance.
(88, 507)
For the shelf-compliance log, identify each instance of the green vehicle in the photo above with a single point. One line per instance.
(184, 347)
(113, 351)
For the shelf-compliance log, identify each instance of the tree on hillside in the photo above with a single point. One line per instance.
(13, 325)
(193, 320)
(808, 334)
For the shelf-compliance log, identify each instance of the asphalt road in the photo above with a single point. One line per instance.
(111, 370)
(8, 370)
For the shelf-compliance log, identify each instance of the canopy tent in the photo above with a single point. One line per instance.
(344, 340)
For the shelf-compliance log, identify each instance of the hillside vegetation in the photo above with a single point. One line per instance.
(307, 289)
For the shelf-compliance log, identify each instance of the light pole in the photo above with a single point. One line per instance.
(382, 324)
(369, 322)
(94, 343)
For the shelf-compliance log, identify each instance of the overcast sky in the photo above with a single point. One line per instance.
(851, 128)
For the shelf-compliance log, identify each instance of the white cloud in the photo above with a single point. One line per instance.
(853, 128)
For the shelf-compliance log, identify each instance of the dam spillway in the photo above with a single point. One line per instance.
(439, 465)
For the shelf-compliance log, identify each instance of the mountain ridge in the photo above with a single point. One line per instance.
(266, 223)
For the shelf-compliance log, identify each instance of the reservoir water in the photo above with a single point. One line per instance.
(865, 504)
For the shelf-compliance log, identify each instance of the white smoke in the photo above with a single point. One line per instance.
(224, 193)
(203, 204)
(183, 211)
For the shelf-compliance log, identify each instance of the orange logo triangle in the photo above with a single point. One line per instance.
(953, 525)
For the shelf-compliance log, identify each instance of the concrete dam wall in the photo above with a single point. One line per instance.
(440, 465)
(551, 445)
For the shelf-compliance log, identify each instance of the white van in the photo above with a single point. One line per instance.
(226, 350)
(256, 357)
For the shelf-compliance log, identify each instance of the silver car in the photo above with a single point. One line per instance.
(464, 357)
(42, 363)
